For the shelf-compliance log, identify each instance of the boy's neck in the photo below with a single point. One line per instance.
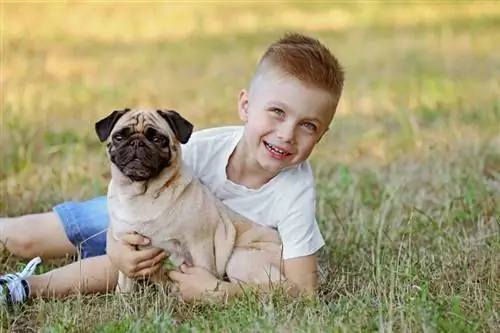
(242, 169)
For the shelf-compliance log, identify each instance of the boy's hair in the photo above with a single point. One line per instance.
(306, 59)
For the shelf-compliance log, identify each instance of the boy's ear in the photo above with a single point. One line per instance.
(243, 105)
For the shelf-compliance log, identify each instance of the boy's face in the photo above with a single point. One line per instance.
(284, 119)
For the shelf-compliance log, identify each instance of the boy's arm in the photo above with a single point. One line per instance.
(303, 272)
(301, 236)
(301, 279)
(197, 283)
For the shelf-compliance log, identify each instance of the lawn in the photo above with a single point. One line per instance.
(408, 176)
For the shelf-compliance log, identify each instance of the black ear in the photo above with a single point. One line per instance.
(104, 126)
(181, 127)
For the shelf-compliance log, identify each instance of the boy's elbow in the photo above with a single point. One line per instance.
(302, 273)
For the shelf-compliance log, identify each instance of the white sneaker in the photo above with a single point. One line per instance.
(13, 286)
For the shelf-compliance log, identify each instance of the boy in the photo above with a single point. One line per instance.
(259, 169)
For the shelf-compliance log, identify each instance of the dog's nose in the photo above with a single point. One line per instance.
(137, 143)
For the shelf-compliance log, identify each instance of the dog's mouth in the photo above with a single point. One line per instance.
(140, 164)
(137, 171)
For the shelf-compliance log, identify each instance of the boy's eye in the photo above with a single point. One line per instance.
(277, 111)
(310, 126)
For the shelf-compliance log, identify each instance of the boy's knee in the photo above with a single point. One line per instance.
(14, 239)
(21, 246)
(34, 235)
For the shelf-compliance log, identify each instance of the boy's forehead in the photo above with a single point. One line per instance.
(289, 92)
(276, 82)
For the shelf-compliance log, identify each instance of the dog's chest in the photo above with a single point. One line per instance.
(149, 218)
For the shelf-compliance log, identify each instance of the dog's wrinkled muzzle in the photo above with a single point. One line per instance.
(139, 160)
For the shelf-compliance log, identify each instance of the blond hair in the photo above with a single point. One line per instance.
(306, 59)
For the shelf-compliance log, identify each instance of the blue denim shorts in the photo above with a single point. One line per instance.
(85, 224)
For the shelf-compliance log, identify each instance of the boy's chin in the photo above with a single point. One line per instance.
(274, 166)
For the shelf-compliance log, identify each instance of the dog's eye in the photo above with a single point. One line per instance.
(158, 139)
(118, 137)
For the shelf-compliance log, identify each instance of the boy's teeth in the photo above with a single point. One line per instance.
(276, 150)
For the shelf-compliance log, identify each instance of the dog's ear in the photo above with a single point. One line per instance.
(104, 126)
(182, 127)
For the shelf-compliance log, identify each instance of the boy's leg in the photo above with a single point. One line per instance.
(84, 225)
(71, 227)
(91, 275)
(35, 235)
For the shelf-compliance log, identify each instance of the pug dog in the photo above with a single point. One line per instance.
(154, 193)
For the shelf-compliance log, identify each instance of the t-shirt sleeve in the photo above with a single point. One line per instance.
(189, 153)
(299, 230)
(197, 151)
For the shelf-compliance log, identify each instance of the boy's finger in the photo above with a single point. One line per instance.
(146, 271)
(147, 254)
(186, 269)
(135, 239)
(153, 261)
(175, 276)
(161, 256)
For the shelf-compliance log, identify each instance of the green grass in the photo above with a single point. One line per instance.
(408, 177)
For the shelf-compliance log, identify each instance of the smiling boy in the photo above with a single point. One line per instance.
(259, 169)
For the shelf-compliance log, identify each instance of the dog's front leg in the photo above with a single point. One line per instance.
(125, 284)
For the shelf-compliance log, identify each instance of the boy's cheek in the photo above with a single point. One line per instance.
(308, 148)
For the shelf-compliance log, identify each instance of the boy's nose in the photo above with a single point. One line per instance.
(286, 133)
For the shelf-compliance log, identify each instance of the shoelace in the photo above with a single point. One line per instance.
(27, 271)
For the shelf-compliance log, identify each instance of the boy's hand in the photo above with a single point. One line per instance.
(194, 282)
(132, 262)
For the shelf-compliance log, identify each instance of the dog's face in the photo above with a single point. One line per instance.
(143, 142)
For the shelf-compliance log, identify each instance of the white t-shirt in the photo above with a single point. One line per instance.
(286, 203)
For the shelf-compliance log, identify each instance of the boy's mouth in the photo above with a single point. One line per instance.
(275, 150)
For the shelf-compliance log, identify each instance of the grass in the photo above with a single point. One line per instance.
(408, 177)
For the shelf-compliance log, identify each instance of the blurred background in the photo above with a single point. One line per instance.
(408, 176)
(420, 75)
